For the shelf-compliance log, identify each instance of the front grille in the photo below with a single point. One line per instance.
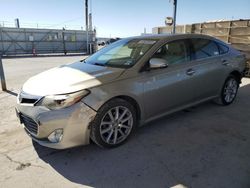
(29, 124)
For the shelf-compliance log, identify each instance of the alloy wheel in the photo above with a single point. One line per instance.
(116, 125)
(230, 90)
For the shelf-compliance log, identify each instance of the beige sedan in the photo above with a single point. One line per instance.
(127, 84)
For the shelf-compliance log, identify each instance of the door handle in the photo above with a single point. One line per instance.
(224, 62)
(190, 72)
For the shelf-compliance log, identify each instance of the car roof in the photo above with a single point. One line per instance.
(168, 36)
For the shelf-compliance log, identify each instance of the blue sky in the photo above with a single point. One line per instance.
(117, 18)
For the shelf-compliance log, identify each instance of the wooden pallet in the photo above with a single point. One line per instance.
(247, 73)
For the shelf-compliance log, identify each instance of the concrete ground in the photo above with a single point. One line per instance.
(205, 146)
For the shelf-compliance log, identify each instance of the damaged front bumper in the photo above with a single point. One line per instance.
(41, 124)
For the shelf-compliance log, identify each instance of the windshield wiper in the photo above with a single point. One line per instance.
(99, 64)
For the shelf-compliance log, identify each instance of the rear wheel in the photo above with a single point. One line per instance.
(229, 91)
(113, 124)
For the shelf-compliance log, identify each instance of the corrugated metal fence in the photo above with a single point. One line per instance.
(16, 41)
(235, 32)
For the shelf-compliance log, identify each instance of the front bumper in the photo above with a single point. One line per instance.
(73, 120)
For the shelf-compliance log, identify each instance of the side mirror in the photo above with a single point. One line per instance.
(157, 63)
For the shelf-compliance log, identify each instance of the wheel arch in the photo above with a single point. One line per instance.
(93, 123)
(132, 101)
(237, 74)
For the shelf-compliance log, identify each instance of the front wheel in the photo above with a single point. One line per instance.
(113, 124)
(229, 91)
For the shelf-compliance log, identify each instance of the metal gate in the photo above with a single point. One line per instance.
(17, 41)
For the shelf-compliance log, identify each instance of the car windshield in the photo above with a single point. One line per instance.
(121, 54)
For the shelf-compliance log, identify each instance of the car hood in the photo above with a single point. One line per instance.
(70, 78)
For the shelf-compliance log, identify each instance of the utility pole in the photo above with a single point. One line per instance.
(2, 77)
(87, 23)
(174, 16)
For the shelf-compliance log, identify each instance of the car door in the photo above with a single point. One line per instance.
(172, 87)
(208, 66)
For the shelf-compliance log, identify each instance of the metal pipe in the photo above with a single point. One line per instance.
(64, 45)
(87, 23)
(174, 16)
(2, 77)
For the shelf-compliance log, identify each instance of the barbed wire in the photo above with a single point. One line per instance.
(65, 24)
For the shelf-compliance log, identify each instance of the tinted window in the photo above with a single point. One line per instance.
(203, 48)
(174, 52)
(223, 49)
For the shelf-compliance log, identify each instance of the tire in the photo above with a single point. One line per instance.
(115, 121)
(229, 91)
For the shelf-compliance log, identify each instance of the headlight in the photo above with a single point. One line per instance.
(55, 102)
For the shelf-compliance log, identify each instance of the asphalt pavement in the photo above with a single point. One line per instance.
(207, 146)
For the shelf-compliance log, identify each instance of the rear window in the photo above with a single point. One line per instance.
(223, 48)
(204, 48)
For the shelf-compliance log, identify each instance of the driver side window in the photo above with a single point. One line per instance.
(173, 52)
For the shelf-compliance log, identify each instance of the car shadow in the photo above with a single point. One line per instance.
(204, 146)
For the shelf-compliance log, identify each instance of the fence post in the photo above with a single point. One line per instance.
(229, 32)
(64, 45)
(2, 77)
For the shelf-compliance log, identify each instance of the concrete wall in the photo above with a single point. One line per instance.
(14, 41)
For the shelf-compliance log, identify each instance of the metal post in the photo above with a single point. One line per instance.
(17, 23)
(1, 33)
(87, 23)
(2, 77)
(174, 16)
(64, 45)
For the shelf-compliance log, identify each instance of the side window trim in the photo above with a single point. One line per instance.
(191, 50)
(188, 45)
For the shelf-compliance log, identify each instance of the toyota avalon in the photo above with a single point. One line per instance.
(127, 84)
